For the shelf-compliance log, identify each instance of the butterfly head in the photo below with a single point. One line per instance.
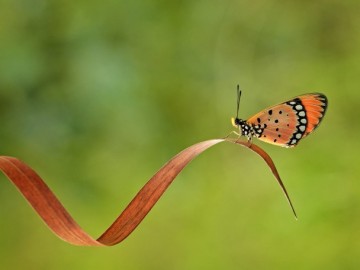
(242, 125)
(244, 128)
(236, 122)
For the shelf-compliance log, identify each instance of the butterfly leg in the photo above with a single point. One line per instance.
(239, 135)
(249, 139)
(232, 133)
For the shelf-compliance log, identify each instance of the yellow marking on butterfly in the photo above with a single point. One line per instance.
(233, 121)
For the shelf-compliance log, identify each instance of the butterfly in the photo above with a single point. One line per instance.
(285, 124)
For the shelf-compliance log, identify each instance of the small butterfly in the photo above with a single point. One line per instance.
(284, 124)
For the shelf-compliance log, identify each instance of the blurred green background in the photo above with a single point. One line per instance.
(97, 95)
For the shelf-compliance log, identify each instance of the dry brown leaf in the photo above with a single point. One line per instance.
(49, 208)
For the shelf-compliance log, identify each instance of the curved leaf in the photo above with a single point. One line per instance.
(53, 213)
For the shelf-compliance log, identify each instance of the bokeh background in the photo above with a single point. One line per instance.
(97, 95)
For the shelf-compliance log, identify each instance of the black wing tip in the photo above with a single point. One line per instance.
(320, 96)
(324, 99)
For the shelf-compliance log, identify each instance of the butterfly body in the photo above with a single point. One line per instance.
(287, 123)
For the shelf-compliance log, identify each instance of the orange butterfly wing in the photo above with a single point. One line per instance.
(287, 123)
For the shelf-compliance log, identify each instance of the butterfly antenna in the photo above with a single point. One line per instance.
(238, 100)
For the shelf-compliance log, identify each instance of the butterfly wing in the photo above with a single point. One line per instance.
(287, 123)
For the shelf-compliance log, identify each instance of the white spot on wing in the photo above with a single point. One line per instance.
(302, 113)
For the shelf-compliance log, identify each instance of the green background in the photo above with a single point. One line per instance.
(97, 95)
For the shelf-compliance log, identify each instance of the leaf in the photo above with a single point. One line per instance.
(272, 167)
(56, 217)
